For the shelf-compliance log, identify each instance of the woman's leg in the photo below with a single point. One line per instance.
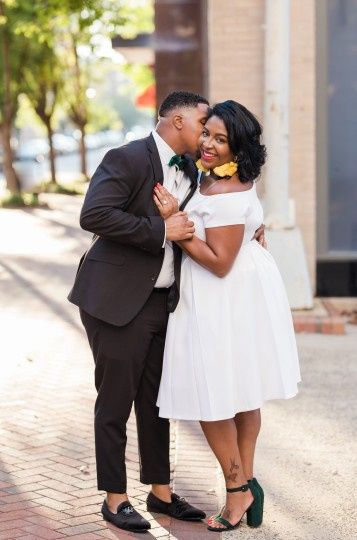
(248, 426)
(222, 438)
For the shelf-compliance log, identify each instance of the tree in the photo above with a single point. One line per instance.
(43, 81)
(32, 35)
(76, 97)
(23, 23)
(12, 59)
(98, 18)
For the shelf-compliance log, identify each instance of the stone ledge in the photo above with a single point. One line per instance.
(323, 318)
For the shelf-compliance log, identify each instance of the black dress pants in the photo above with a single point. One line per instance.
(128, 364)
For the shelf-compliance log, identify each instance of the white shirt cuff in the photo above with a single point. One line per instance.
(163, 245)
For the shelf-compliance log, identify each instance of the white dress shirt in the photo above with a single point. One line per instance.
(178, 184)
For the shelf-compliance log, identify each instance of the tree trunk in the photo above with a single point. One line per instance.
(12, 180)
(52, 157)
(83, 152)
(80, 109)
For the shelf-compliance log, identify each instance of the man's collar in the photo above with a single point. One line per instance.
(165, 151)
(163, 148)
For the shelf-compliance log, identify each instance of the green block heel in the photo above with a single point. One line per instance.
(227, 526)
(255, 511)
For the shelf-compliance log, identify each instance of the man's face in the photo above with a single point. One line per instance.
(194, 118)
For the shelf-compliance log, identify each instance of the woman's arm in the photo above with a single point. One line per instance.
(219, 251)
(222, 244)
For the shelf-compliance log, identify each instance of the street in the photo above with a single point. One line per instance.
(67, 168)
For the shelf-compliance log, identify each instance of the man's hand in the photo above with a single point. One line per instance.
(260, 236)
(178, 227)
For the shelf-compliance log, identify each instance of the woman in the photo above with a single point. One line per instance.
(230, 343)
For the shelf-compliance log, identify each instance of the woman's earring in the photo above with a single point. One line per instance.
(235, 159)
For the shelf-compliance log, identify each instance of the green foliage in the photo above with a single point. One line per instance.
(13, 56)
(26, 116)
(42, 78)
(140, 74)
(49, 52)
(19, 200)
(102, 116)
(73, 188)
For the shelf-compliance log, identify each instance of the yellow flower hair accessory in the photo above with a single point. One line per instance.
(228, 169)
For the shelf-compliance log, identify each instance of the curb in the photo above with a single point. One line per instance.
(324, 318)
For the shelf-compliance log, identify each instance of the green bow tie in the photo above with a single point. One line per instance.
(179, 161)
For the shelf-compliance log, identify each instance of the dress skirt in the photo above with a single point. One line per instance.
(230, 343)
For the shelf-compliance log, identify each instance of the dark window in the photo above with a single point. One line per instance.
(342, 124)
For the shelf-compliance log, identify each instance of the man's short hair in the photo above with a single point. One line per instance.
(180, 98)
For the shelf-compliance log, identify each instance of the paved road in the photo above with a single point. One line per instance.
(307, 451)
(67, 168)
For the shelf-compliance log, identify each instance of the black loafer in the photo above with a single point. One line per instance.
(178, 508)
(126, 518)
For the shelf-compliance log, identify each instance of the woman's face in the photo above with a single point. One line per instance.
(213, 144)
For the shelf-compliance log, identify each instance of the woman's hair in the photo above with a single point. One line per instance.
(244, 132)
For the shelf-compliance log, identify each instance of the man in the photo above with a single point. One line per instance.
(125, 286)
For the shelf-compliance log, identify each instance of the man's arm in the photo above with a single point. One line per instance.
(103, 210)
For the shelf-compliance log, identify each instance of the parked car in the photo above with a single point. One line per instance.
(32, 150)
(137, 132)
(93, 141)
(38, 149)
(110, 137)
(64, 144)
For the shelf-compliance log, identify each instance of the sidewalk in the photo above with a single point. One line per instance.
(47, 466)
(306, 453)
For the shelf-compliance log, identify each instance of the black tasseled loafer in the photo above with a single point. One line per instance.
(178, 508)
(126, 518)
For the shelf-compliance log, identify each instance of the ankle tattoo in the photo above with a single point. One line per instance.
(227, 514)
(232, 477)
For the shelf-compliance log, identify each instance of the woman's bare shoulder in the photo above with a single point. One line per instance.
(210, 186)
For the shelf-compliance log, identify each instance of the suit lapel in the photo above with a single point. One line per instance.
(155, 160)
(158, 173)
(191, 171)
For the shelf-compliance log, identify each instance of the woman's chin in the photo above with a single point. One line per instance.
(208, 164)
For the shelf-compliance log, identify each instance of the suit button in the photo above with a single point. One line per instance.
(153, 278)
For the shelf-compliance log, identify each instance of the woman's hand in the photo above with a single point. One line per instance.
(166, 203)
(260, 236)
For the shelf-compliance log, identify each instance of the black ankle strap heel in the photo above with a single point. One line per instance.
(243, 488)
(227, 526)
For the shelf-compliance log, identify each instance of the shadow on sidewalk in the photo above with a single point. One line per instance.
(48, 301)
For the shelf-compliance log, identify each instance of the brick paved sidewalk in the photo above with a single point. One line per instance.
(307, 448)
(47, 467)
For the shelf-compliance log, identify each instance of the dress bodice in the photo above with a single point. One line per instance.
(241, 207)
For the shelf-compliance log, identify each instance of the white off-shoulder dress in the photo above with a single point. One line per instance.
(230, 343)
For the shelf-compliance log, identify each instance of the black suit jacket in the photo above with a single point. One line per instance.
(117, 274)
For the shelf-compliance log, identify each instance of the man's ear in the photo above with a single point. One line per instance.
(177, 121)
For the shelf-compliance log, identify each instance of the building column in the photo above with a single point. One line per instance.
(180, 46)
(276, 112)
(284, 238)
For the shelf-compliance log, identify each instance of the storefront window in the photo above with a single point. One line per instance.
(342, 124)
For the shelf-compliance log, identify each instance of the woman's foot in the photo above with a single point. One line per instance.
(233, 511)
